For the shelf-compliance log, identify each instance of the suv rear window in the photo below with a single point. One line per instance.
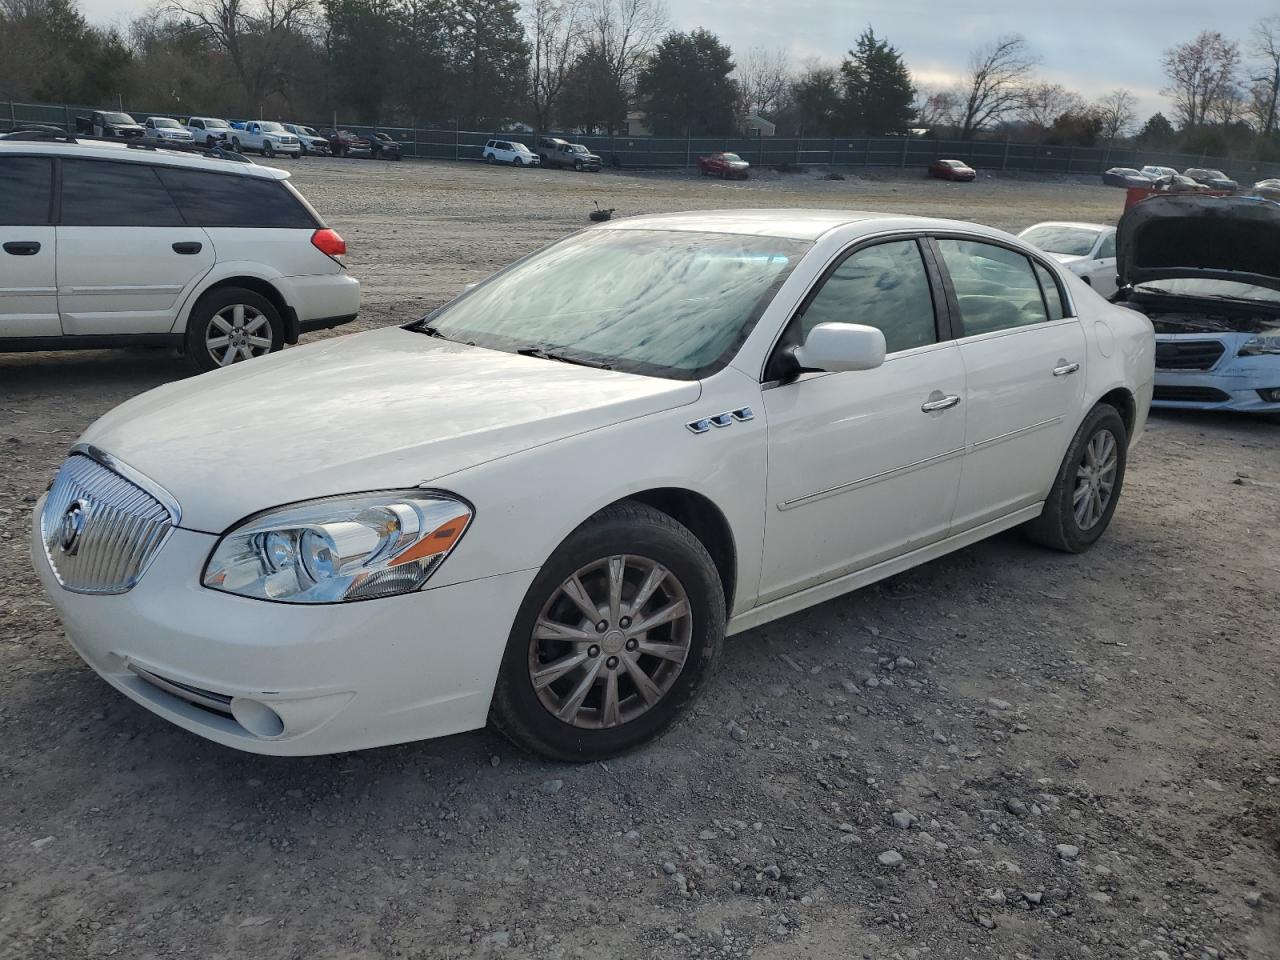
(102, 193)
(25, 187)
(230, 200)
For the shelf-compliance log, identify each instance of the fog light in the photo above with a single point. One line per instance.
(256, 717)
(1270, 394)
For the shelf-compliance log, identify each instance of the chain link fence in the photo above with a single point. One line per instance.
(433, 142)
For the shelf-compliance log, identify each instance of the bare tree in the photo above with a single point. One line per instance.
(1043, 103)
(999, 73)
(556, 29)
(763, 79)
(253, 34)
(1266, 85)
(1118, 111)
(936, 108)
(1201, 74)
(623, 33)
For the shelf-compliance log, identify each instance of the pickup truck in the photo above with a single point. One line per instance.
(265, 136)
(555, 152)
(166, 132)
(109, 123)
(208, 131)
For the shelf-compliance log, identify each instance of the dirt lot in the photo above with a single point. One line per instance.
(1082, 751)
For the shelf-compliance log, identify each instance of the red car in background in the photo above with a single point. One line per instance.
(952, 170)
(344, 143)
(724, 165)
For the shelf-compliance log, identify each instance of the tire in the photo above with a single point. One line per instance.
(577, 165)
(268, 150)
(235, 144)
(203, 330)
(210, 142)
(518, 161)
(648, 542)
(489, 158)
(1060, 525)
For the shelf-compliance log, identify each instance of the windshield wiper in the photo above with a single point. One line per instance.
(542, 354)
(430, 331)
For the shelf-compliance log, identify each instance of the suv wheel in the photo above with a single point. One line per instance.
(232, 324)
(577, 165)
(618, 634)
(210, 142)
(268, 150)
(235, 144)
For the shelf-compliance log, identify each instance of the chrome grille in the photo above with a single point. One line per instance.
(101, 529)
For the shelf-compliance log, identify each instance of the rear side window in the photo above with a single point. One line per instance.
(25, 188)
(97, 193)
(995, 286)
(1052, 294)
(229, 200)
(885, 286)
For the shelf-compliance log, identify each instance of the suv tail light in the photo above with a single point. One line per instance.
(329, 242)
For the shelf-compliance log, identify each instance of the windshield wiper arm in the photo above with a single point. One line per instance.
(542, 354)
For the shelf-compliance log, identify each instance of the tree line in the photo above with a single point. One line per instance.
(590, 65)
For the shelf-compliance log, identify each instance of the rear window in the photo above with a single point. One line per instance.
(98, 193)
(25, 186)
(229, 200)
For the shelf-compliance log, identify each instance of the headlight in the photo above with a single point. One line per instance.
(1261, 347)
(339, 549)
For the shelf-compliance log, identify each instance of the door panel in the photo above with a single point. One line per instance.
(858, 472)
(28, 288)
(1021, 416)
(118, 280)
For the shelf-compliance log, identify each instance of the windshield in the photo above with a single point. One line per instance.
(270, 126)
(654, 302)
(217, 125)
(1218, 289)
(165, 122)
(117, 118)
(308, 131)
(577, 148)
(1066, 241)
(730, 156)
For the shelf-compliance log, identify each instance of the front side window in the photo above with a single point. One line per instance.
(885, 286)
(1108, 248)
(99, 193)
(231, 200)
(25, 186)
(661, 303)
(995, 286)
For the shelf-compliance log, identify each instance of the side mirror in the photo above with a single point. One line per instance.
(836, 347)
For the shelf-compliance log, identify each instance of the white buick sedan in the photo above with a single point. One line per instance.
(546, 504)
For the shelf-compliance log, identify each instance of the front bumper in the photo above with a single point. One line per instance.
(289, 679)
(1234, 383)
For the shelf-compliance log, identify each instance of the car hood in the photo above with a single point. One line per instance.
(1183, 237)
(385, 409)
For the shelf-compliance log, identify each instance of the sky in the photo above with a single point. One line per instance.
(1091, 46)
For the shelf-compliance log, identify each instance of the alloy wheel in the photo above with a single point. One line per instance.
(1095, 479)
(238, 332)
(610, 642)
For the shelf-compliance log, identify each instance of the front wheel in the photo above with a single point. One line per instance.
(230, 325)
(577, 165)
(268, 150)
(616, 636)
(1087, 488)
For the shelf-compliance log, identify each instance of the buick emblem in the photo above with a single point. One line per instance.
(72, 526)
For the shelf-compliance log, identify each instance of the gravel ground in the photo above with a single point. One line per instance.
(1004, 753)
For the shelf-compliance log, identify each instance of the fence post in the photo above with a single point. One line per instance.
(456, 137)
(903, 165)
(1004, 162)
(688, 150)
(13, 117)
(833, 151)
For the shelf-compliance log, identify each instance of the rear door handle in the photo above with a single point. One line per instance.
(22, 248)
(1066, 369)
(188, 248)
(941, 403)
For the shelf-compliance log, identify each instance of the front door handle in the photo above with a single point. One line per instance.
(1065, 369)
(22, 248)
(933, 405)
(188, 248)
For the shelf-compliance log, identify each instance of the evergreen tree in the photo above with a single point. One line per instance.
(686, 85)
(1156, 132)
(878, 93)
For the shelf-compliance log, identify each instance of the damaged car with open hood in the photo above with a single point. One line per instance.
(1206, 272)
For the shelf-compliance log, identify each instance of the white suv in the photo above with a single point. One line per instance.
(105, 245)
(512, 152)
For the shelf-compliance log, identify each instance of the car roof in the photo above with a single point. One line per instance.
(100, 150)
(1096, 227)
(793, 224)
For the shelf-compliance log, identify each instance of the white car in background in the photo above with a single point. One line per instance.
(223, 260)
(1204, 271)
(547, 503)
(208, 131)
(510, 151)
(166, 132)
(309, 139)
(1086, 249)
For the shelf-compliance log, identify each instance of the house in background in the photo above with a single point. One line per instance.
(754, 125)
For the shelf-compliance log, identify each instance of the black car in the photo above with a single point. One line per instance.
(1126, 177)
(383, 147)
(1215, 179)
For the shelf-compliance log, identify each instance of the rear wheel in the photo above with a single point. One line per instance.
(230, 325)
(616, 636)
(1087, 488)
